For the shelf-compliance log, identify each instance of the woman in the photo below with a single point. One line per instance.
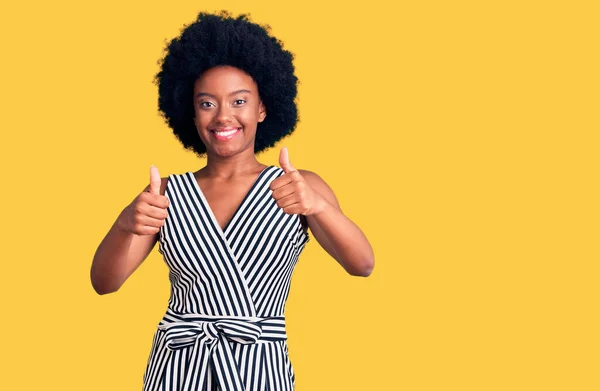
(231, 232)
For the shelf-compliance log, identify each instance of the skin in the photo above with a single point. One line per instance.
(226, 98)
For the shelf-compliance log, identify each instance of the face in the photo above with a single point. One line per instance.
(227, 111)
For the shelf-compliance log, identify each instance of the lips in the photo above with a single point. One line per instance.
(225, 134)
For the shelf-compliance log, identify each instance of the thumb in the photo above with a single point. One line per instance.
(284, 160)
(154, 180)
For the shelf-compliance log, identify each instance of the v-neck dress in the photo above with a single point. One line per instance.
(224, 327)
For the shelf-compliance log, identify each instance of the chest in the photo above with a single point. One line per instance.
(224, 198)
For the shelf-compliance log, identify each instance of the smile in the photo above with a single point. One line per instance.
(224, 134)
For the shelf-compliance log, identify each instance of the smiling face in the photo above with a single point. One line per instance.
(227, 111)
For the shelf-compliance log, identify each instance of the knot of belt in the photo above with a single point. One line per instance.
(211, 335)
(181, 334)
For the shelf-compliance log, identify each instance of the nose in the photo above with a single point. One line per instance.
(223, 115)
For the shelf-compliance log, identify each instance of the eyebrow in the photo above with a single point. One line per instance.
(212, 96)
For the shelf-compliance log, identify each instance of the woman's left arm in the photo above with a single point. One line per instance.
(335, 232)
(304, 192)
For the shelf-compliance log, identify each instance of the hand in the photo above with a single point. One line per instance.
(148, 211)
(291, 191)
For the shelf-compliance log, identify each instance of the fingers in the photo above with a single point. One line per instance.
(294, 209)
(155, 183)
(145, 225)
(289, 189)
(140, 218)
(148, 211)
(155, 180)
(155, 212)
(148, 219)
(286, 179)
(149, 222)
(284, 160)
(283, 191)
(286, 201)
(160, 201)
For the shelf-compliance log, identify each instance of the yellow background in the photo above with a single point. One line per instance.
(462, 137)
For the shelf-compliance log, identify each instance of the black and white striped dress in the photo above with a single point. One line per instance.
(224, 328)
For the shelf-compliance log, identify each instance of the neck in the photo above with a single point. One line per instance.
(240, 164)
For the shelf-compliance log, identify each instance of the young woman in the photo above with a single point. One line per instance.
(231, 232)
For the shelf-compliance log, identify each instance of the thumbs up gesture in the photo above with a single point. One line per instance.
(291, 191)
(148, 211)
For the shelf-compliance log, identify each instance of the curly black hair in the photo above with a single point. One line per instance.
(220, 39)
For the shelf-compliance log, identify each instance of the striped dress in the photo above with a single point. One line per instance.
(224, 327)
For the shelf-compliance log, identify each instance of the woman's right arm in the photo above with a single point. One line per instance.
(131, 238)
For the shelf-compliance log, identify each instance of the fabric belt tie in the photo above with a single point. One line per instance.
(209, 337)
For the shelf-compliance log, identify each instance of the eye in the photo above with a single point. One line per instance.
(205, 104)
(238, 102)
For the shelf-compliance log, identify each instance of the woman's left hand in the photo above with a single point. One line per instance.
(291, 191)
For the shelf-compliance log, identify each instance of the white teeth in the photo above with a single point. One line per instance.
(228, 133)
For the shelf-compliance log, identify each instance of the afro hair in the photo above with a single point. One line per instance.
(218, 40)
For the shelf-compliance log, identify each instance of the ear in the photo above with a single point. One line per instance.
(262, 112)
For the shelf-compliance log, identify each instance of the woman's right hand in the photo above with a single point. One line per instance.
(148, 211)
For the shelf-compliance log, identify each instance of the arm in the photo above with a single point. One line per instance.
(122, 251)
(305, 193)
(336, 233)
